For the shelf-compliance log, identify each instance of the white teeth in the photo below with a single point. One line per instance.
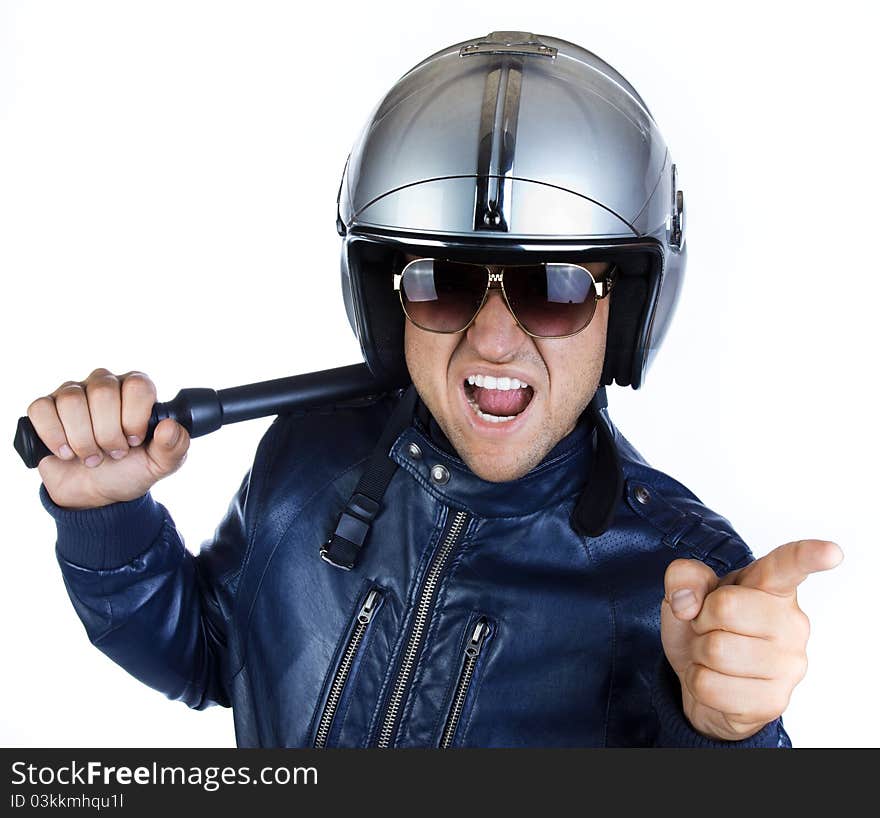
(491, 382)
(495, 418)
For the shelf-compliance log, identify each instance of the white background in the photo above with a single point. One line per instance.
(168, 175)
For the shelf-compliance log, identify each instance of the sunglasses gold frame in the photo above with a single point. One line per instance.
(496, 282)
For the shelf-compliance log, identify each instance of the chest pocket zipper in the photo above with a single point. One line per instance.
(474, 648)
(365, 615)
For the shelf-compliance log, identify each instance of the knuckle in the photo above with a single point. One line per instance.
(803, 626)
(680, 564)
(724, 602)
(799, 669)
(103, 385)
(69, 386)
(39, 407)
(100, 372)
(68, 394)
(136, 378)
(684, 569)
(701, 683)
(716, 647)
(136, 385)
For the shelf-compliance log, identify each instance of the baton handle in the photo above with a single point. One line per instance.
(201, 411)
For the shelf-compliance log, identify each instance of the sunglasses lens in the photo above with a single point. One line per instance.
(551, 299)
(442, 296)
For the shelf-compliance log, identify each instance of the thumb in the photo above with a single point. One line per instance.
(687, 583)
(167, 450)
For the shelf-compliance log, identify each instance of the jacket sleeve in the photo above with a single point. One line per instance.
(691, 530)
(147, 602)
(676, 730)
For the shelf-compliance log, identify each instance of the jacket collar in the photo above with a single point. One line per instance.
(566, 471)
(586, 460)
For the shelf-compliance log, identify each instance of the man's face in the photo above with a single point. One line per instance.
(562, 375)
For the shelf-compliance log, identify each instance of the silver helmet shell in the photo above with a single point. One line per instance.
(509, 145)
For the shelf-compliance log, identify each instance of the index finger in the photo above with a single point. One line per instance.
(783, 569)
(138, 397)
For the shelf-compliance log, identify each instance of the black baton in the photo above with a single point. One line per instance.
(201, 411)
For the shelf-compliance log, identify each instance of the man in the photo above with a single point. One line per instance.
(480, 558)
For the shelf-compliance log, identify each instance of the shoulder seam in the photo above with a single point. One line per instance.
(722, 550)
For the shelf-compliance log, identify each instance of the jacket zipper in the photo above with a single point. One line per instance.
(469, 664)
(420, 622)
(365, 614)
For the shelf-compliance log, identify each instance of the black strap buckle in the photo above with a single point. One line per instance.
(351, 531)
(353, 525)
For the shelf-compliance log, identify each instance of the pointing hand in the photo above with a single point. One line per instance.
(738, 645)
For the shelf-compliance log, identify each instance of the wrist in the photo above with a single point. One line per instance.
(87, 501)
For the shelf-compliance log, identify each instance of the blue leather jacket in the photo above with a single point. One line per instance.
(476, 614)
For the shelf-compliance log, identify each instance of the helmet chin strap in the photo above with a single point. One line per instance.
(353, 526)
(598, 502)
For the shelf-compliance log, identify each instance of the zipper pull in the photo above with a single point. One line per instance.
(369, 608)
(472, 651)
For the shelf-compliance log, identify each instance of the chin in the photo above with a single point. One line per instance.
(497, 469)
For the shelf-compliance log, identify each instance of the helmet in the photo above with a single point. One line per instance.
(503, 147)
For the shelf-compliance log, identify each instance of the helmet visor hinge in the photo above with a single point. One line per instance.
(509, 42)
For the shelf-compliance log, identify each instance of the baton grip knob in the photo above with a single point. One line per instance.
(27, 443)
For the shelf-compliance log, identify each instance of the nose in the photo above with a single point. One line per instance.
(494, 334)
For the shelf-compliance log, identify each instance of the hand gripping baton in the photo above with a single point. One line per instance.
(201, 411)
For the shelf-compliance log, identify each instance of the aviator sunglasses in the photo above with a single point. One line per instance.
(547, 300)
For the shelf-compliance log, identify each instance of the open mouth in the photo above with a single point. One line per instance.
(497, 400)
